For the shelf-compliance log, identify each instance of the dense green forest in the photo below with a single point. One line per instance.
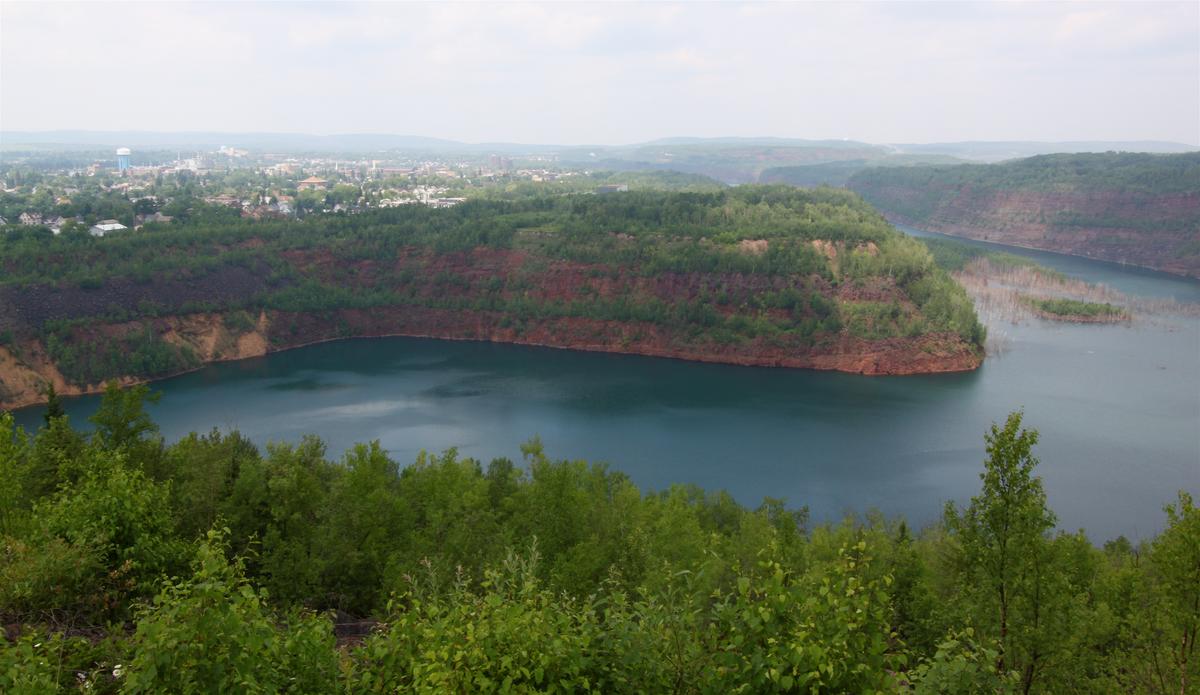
(839, 172)
(653, 180)
(735, 160)
(770, 264)
(927, 190)
(1106, 171)
(209, 565)
(575, 226)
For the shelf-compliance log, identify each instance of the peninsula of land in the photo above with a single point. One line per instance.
(763, 276)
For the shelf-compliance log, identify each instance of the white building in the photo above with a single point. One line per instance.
(105, 227)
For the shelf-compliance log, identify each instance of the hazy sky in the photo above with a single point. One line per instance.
(609, 73)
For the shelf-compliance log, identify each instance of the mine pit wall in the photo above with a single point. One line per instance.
(1028, 219)
(25, 368)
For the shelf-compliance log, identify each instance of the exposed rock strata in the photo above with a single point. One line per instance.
(423, 280)
(23, 377)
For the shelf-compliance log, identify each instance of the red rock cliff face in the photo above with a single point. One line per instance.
(430, 281)
(566, 282)
(932, 353)
(24, 372)
(1153, 231)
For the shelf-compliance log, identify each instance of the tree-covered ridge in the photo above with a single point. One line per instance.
(208, 565)
(1105, 171)
(654, 218)
(768, 268)
(1114, 190)
(1142, 209)
(588, 182)
(733, 161)
(837, 173)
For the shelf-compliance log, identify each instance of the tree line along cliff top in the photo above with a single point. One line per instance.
(1102, 171)
(728, 273)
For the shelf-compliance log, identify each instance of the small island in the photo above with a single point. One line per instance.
(1076, 311)
(1008, 288)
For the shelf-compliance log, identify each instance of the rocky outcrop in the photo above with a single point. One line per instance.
(211, 339)
(25, 372)
(26, 368)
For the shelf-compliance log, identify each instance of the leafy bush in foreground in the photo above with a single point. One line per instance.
(209, 566)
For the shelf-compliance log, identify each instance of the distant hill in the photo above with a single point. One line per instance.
(839, 172)
(996, 151)
(1136, 208)
(761, 141)
(731, 160)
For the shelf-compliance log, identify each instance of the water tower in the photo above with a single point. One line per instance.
(123, 159)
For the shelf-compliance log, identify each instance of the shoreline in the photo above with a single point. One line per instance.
(827, 362)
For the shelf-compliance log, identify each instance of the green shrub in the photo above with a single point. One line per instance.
(1073, 307)
(214, 633)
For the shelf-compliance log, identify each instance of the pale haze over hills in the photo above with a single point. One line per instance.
(609, 74)
(987, 151)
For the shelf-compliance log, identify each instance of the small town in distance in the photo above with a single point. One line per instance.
(138, 188)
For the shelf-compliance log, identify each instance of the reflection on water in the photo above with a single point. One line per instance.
(308, 384)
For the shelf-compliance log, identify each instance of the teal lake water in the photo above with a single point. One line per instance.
(1118, 408)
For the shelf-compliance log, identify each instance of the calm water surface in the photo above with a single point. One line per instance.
(1118, 409)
